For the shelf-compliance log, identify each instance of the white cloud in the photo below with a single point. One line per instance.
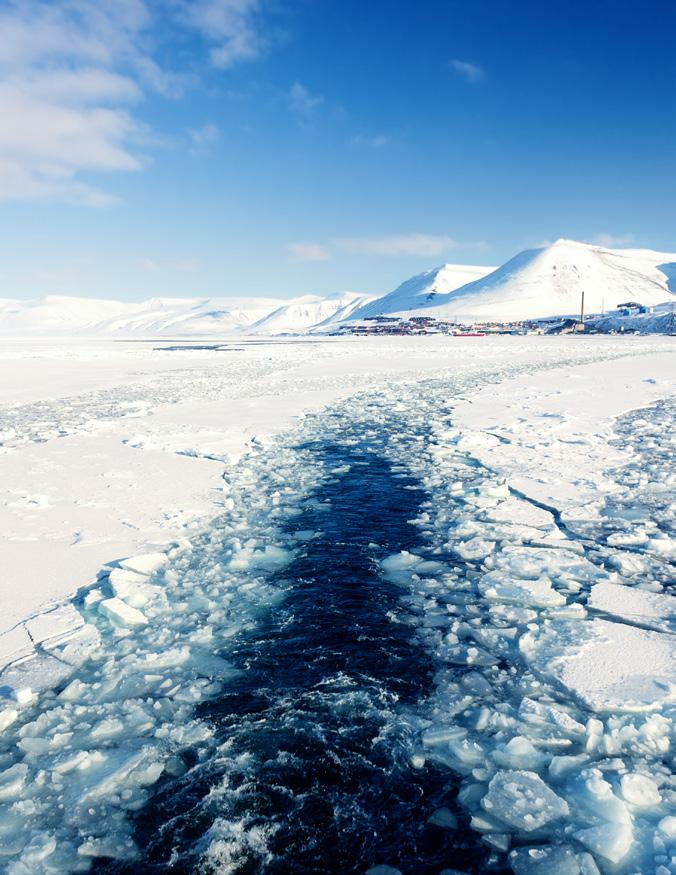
(470, 72)
(301, 102)
(72, 73)
(171, 265)
(308, 252)
(604, 239)
(68, 76)
(232, 27)
(73, 87)
(402, 244)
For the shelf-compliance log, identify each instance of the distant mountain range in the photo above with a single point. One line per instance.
(537, 283)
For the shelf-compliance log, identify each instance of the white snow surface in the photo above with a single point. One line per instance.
(110, 449)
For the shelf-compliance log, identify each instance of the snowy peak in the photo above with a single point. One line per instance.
(536, 283)
(549, 282)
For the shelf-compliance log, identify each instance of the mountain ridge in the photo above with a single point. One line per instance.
(537, 283)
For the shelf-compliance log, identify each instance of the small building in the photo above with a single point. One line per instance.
(567, 326)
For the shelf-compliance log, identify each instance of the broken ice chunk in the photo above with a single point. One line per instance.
(131, 587)
(611, 840)
(475, 548)
(501, 587)
(543, 714)
(7, 717)
(122, 614)
(598, 797)
(640, 790)
(12, 781)
(610, 666)
(38, 849)
(523, 800)
(519, 753)
(552, 860)
(494, 490)
(654, 610)
(145, 563)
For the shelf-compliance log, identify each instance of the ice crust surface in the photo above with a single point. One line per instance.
(551, 704)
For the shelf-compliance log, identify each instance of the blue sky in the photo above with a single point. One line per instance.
(279, 148)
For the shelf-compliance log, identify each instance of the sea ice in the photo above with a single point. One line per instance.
(121, 613)
(501, 587)
(609, 666)
(650, 609)
(552, 860)
(144, 563)
(640, 790)
(609, 840)
(523, 800)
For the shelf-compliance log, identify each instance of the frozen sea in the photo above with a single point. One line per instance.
(385, 650)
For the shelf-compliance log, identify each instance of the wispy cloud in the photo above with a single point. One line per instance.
(469, 71)
(233, 28)
(302, 102)
(401, 244)
(605, 239)
(308, 252)
(372, 142)
(425, 245)
(204, 137)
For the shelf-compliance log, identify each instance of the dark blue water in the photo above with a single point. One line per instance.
(313, 773)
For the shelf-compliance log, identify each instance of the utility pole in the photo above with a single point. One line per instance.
(582, 313)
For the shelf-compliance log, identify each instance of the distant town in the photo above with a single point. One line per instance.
(628, 318)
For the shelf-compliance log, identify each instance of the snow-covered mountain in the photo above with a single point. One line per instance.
(422, 290)
(534, 284)
(57, 315)
(309, 312)
(180, 317)
(188, 316)
(548, 281)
